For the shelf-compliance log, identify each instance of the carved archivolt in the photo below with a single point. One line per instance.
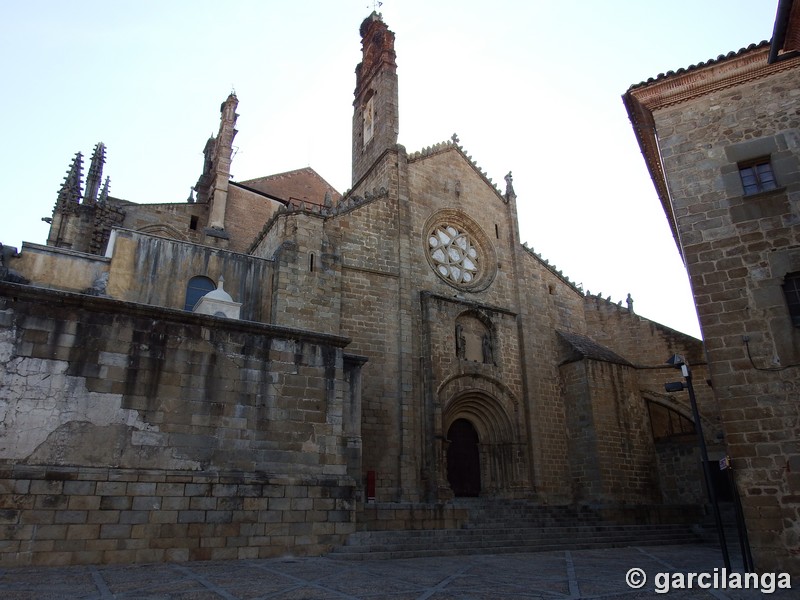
(487, 404)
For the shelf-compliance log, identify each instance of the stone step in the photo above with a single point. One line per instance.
(582, 544)
(509, 518)
(420, 543)
(524, 520)
(488, 545)
(504, 526)
(425, 534)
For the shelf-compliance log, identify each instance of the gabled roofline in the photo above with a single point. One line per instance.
(259, 192)
(291, 173)
(453, 145)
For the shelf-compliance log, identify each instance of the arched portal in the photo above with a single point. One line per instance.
(487, 445)
(463, 459)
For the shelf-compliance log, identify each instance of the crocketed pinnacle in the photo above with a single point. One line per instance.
(95, 175)
(70, 193)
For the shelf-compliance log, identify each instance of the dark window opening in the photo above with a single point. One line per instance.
(197, 288)
(496, 231)
(757, 176)
(193, 222)
(311, 262)
(791, 290)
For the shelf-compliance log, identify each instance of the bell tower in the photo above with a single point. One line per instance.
(221, 163)
(375, 108)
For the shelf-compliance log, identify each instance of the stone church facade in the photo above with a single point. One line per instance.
(318, 362)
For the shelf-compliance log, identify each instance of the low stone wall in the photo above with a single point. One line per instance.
(64, 516)
(132, 433)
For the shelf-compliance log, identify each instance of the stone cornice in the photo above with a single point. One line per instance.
(674, 88)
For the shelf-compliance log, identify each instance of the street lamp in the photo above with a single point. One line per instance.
(679, 362)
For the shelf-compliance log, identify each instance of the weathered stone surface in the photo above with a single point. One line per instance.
(205, 435)
(739, 249)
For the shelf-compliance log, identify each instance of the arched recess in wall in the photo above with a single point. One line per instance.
(498, 404)
(485, 413)
(491, 410)
(476, 338)
(197, 287)
(164, 230)
(669, 407)
(666, 423)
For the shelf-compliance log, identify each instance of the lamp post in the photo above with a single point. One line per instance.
(679, 362)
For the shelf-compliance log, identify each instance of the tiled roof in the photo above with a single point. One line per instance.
(301, 184)
(584, 347)
(712, 61)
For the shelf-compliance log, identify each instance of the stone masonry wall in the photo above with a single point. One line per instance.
(173, 220)
(130, 432)
(354, 291)
(59, 268)
(307, 278)
(245, 216)
(627, 461)
(584, 467)
(374, 315)
(680, 472)
(611, 451)
(550, 305)
(648, 345)
(59, 515)
(167, 266)
(738, 249)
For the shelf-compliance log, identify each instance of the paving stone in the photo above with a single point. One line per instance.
(559, 574)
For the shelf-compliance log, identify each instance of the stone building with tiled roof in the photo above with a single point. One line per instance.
(721, 140)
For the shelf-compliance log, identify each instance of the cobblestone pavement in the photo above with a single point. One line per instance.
(546, 575)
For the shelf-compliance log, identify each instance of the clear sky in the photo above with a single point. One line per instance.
(529, 86)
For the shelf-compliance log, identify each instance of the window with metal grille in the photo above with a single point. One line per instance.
(757, 176)
(791, 289)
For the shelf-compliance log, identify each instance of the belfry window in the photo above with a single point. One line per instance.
(369, 119)
(791, 289)
(757, 176)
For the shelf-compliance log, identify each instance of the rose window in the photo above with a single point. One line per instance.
(453, 255)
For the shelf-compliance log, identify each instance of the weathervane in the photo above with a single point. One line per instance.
(375, 5)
